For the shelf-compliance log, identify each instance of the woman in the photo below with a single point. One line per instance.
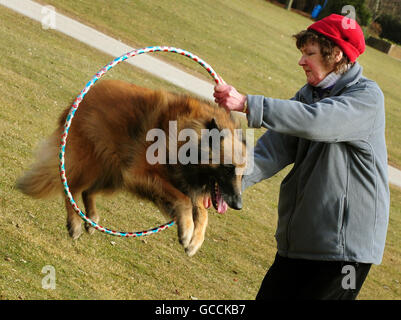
(334, 204)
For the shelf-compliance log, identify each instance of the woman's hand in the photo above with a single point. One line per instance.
(229, 98)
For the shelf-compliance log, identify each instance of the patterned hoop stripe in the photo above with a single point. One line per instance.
(74, 108)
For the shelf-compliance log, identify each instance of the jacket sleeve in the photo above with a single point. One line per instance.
(273, 152)
(349, 116)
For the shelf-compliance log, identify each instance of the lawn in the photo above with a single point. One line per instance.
(41, 71)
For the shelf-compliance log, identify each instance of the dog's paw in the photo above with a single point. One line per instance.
(192, 248)
(88, 227)
(74, 231)
(185, 232)
(195, 243)
(185, 239)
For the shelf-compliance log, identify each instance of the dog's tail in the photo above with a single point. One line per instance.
(42, 179)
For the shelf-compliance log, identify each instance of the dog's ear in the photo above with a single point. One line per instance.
(212, 124)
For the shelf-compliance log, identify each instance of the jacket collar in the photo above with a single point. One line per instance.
(349, 78)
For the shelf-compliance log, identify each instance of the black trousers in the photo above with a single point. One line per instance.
(299, 279)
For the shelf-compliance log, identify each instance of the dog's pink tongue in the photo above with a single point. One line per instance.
(221, 206)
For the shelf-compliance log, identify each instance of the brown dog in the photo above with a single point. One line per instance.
(112, 145)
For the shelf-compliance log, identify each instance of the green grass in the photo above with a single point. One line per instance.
(42, 71)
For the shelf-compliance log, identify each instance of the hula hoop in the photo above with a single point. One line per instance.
(74, 108)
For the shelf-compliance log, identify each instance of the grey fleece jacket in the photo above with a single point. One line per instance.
(334, 203)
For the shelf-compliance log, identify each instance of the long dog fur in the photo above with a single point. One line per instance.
(106, 151)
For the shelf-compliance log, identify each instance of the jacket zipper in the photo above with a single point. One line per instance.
(342, 220)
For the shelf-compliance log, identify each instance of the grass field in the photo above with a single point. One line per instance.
(42, 71)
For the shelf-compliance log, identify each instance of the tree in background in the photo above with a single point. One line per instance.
(390, 27)
(382, 16)
(363, 13)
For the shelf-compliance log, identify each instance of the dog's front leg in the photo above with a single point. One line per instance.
(170, 201)
(200, 217)
(179, 207)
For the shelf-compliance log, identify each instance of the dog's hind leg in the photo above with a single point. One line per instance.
(74, 221)
(88, 197)
(200, 217)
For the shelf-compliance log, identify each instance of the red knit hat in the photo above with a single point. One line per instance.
(344, 32)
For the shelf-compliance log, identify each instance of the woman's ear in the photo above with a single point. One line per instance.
(338, 54)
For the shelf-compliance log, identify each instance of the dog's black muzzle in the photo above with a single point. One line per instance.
(234, 202)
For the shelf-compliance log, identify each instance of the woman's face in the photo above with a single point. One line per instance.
(312, 63)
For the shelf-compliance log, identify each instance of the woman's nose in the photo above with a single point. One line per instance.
(301, 61)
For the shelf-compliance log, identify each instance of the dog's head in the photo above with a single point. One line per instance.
(220, 157)
(227, 156)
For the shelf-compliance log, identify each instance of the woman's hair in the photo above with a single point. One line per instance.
(326, 48)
